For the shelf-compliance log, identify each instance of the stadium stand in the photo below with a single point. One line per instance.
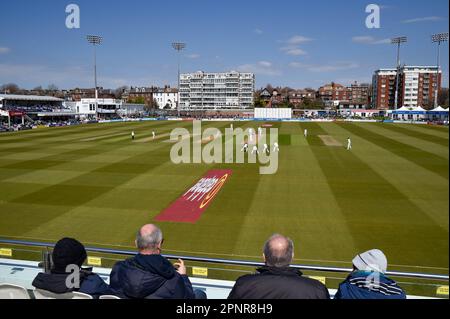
(20, 273)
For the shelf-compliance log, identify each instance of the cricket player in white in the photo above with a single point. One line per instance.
(260, 131)
(276, 148)
(250, 135)
(349, 144)
(245, 148)
(132, 135)
(255, 150)
(266, 149)
(231, 126)
(153, 134)
(305, 133)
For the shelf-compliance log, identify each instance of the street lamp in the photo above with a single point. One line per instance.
(179, 46)
(95, 40)
(398, 41)
(438, 38)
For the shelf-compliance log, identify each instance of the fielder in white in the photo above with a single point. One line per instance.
(255, 150)
(305, 133)
(250, 135)
(349, 144)
(132, 135)
(245, 148)
(153, 134)
(276, 148)
(266, 149)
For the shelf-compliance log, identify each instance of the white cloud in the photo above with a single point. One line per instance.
(370, 40)
(293, 50)
(193, 56)
(265, 64)
(258, 31)
(4, 50)
(298, 39)
(64, 77)
(292, 45)
(338, 66)
(261, 68)
(423, 19)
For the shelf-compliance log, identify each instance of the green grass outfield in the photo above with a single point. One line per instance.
(93, 183)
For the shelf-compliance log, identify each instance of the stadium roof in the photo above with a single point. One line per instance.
(37, 98)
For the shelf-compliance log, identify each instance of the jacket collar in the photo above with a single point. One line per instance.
(279, 271)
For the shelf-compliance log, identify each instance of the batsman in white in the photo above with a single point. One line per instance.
(276, 148)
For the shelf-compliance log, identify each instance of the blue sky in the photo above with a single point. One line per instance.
(286, 42)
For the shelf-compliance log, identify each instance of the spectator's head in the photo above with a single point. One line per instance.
(278, 251)
(67, 252)
(149, 240)
(372, 260)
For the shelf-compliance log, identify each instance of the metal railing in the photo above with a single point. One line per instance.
(228, 261)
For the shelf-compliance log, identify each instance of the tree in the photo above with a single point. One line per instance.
(152, 106)
(443, 98)
(10, 88)
(52, 87)
(119, 91)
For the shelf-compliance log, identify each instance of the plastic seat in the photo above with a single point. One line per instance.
(43, 294)
(109, 297)
(8, 291)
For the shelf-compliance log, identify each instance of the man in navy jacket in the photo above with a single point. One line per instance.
(368, 280)
(149, 275)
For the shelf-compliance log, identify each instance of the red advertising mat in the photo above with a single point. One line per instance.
(192, 204)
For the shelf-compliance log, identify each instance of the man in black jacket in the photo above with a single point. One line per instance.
(69, 255)
(149, 275)
(276, 280)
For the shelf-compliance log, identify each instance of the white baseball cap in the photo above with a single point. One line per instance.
(372, 260)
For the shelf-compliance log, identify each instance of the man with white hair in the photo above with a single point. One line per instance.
(277, 280)
(149, 275)
(368, 279)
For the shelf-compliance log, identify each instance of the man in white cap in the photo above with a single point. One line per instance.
(368, 279)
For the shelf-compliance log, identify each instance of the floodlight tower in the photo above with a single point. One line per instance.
(95, 40)
(398, 41)
(438, 38)
(178, 46)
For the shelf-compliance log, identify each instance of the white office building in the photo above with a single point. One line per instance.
(215, 91)
(166, 100)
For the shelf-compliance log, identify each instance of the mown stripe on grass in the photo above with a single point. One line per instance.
(405, 131)
(67, 192)
(378, 215)
(427, 160)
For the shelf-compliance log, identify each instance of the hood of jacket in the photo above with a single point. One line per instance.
(55, 282)
(141, 276)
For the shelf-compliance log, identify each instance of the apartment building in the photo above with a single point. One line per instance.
(229, 90)
(417, 85)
